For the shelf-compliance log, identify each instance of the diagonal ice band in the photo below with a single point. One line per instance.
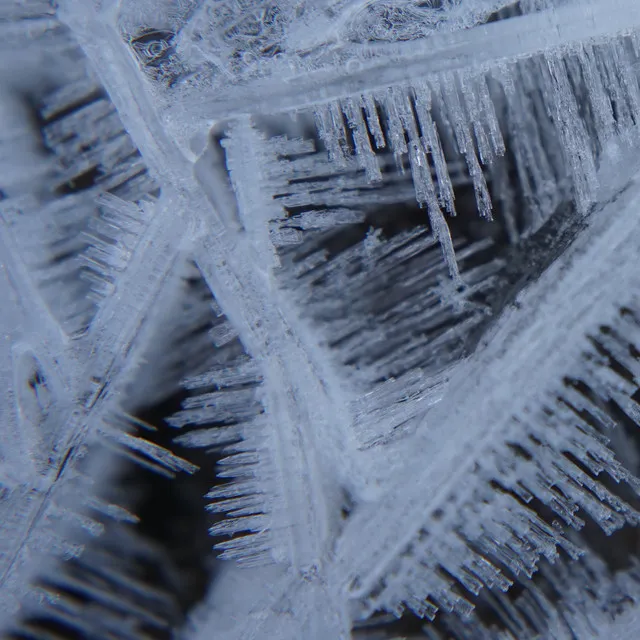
(373, 67)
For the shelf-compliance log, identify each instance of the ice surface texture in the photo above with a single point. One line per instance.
(384, 254)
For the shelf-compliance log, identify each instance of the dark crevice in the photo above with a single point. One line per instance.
(81, 182)
(172, 510)
(70, 108)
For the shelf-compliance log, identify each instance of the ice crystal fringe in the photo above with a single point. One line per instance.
(558, 435)
(61, 402)
(475, 133)
(508, 551)
(109, 574)
(225, 400)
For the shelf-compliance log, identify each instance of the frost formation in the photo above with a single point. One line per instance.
(365, 269)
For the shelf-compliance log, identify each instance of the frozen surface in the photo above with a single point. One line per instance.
(385, 255)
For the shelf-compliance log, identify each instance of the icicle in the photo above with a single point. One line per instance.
(285, 237)
(488, 113)
(490, 575)
(73, 94)
(364, 153)
(634, 41)
(473, 109)
(344, 190)
(505, 194)
(605, 56)
(561, 436)
(247, 152)
(432, 145)
(214, 437)
(627, 325)
(503, 73)
(112, 511)
(242, 371)
(330, 127)
(327, 218)
(604, 380)
(138, 445)
(223, 333)
(620, 351)
(51, 236)
(395, 402)
(605, 124)
(112, 238)
(398, 107)
(536, 174)
(448, 85)
(244, 501)
(513, 617)
(402, 106)
(373, 121)
(225, 405)
(235, 525)
(397, 141)
(571, 128)
(621, 83)
(422, 607)
(529, 82)
(247, 460)
(628, 78)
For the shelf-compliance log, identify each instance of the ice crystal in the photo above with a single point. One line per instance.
(373, 264)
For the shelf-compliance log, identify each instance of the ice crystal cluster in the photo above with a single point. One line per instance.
(353, 285)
